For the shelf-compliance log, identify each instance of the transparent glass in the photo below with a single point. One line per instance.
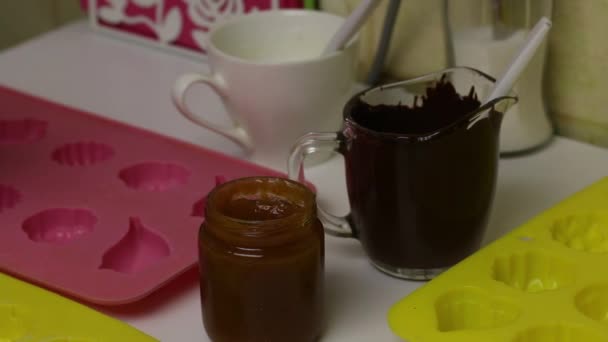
(261, 253)
(419, 202)
(486, 35)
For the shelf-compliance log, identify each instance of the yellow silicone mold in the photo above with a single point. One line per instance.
(545, 281)
(29, 313)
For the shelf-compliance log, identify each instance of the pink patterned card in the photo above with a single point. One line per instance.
(178, 25)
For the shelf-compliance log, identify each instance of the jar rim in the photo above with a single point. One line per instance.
(254, 228)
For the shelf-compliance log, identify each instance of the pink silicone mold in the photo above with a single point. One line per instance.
(9, 197)
(198, 209)
(98, 210)
(21, 130)
(136, 251)
(59, 225)
(153, 176)
(82, 154)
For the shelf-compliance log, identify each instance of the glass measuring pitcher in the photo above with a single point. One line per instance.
(419, 192)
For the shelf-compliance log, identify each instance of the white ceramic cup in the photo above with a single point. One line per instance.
(268, 70)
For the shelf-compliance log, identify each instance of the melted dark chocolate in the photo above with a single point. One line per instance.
(439, 107)
(420, 203)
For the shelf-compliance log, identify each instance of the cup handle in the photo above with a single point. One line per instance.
(178, 94)
(305, 146)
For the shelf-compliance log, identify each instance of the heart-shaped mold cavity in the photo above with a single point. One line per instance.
(11, 325)
(154, 176)
(21, 131)
(587, 233)
(593, 302)
(139, 249)
(471, 309)
(9, 197)
(82, 153)
(559, 333)
(198, 209)
(533, 271)
(59, 225)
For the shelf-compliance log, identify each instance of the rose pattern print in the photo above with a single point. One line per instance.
(176, 23)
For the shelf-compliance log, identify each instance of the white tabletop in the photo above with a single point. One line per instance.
(129, 82)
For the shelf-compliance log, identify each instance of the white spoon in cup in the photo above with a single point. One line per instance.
(351, 25)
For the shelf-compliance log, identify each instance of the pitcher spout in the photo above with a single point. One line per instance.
(493, 110)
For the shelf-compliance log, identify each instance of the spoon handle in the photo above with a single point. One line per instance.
(350, 26)
(521, 60)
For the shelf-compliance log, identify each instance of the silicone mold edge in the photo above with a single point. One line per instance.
(562, 332)
(68, 339)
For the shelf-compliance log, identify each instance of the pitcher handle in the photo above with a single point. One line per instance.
(309, 144)
(178, 94)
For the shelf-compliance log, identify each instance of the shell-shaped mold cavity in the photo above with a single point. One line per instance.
(154, 176)
(59, 225)
(22, 131)
(138, 250)
(82, 154)
(471, 309)
(559, 333)
(593, 302)
(533, 271)
(587, 233)
(9, 197)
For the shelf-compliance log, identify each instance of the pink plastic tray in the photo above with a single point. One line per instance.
(96, 209)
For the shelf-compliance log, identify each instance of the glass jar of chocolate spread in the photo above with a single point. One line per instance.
(261, 253)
